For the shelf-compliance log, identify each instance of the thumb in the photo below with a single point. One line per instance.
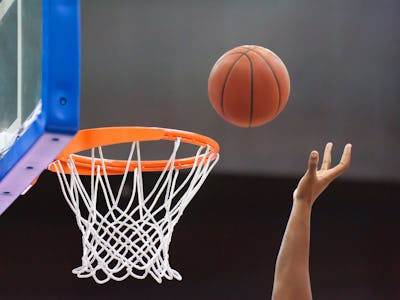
(313, 162)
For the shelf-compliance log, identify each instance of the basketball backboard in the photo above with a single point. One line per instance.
(39, 88)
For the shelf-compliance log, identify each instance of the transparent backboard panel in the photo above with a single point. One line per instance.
(20, 67)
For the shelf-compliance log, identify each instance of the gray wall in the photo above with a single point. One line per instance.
(146, 63)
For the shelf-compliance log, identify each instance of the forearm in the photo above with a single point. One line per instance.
(292, 279)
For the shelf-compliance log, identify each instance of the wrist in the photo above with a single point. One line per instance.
(303, 205)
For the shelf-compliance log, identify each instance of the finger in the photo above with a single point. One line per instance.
(344, 162)
(326, 162)
(313, 162)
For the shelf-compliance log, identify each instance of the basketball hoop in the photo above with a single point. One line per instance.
(128, 233)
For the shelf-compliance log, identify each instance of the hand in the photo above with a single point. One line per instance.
(314, 181)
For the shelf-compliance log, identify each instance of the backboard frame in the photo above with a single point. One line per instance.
(58, 120)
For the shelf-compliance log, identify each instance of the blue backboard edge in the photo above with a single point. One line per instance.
(59, 119)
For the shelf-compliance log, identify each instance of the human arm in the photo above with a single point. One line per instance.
(292, 278)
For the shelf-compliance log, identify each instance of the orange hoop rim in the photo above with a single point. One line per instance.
(87, 139)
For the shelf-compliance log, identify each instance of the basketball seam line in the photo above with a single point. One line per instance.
(226, 79)
(221, 58)
(251, 90)
(275, 77)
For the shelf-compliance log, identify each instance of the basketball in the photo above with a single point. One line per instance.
(249, 86)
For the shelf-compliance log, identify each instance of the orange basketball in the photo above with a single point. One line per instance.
(249, 86)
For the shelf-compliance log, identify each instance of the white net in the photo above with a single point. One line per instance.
(127, 232)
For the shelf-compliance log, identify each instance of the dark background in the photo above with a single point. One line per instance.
(224, 246)
(147, 62)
